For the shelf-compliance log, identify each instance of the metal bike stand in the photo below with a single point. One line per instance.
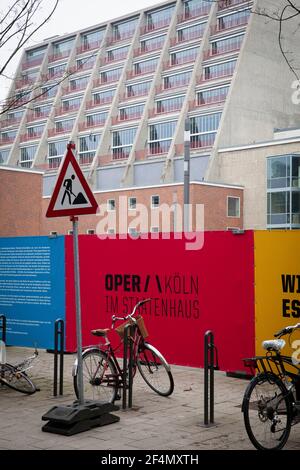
(59, 336)
(127, 365)
(3, 328)
(210, 365)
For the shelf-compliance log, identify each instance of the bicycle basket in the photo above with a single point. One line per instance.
(141, 326)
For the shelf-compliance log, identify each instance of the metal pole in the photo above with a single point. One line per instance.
(211, 379)
(186, 188)
(55, 358)
(206, 378)
(62, 350)
(3, 328)
(78, 309)
(130, 371)
(125, 355)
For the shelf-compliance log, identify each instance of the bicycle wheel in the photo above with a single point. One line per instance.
(16, 379)
(155, 370)
(100, 378)
(267, 412)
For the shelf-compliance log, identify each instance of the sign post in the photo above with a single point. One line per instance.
(73, 197)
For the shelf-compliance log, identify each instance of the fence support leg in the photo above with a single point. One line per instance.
(59, 334)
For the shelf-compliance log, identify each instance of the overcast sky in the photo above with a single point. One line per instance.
(72, 15)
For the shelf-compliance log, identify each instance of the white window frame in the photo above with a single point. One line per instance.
(152, 205)
(239, 207)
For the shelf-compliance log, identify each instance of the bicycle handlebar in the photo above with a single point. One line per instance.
(139, 304)
(286, 330)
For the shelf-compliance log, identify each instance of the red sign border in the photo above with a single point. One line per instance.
(51, 212)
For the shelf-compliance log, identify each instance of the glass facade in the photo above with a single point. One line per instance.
(85, 63)
(131, 112)
(4, 154)
(153, 44)
(138, 89)
(182, 57)
(56, 71)
(62, 49)
(109, 76)
(123, 30)
(233, 20)
(169, 105)
(56, 151)
(159, 19)
(87, 148)
(146, 66)
(103, 97)
(191, 32)
(219, 70)
(214, 95)
(27, 155)
(119, 53)
(283, 191)
(92, 39)
(226, 45)
(203, 129)
(122, 141)
(177, 80)
(96, 119)
(64, 126)
(160, 137)
(71, 104)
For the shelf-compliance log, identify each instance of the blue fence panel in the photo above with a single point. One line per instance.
(32, 288)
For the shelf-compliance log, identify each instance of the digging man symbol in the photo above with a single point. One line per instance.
(68, 185)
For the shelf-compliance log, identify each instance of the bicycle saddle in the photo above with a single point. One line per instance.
(273, 344)
(100, 332)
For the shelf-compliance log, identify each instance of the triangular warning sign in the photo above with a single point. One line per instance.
(72, 194)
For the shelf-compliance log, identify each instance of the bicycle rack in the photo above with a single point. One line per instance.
(59, 334)
(3, 328)
(210, 365)
(128, 365)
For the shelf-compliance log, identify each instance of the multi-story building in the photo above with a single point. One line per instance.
(123, 90)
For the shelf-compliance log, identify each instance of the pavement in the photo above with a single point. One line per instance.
(154, 422)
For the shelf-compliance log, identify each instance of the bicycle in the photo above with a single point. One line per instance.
(271, 404)
(15, 376)
(102, 374)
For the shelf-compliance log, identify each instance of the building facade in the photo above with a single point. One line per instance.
(123, 90)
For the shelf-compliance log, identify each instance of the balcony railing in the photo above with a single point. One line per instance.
(137, 73)
(46, 77)
(100, 81)
(165, 110)
(209, 102)
(238, 22)
(158, 148)
(229, 3)
(63, 110)
(59, 55)
(54, 162)
(179, 61)
(179, 84)
(146, 50)
(148, 28)
(24, 82)
(221, 74)
(74, 88)
(118, 119)
(10, 122)
(195, 35)
(125, 97)
(99, 102)
(86, 159)
(194, 13)
(120, 154)
(31, 117)
(109, 60)
(32, 136)
(88, 47)
(83, 126)
(203, 142)
(64, 130)
(26, 164)
(88, 65)
(224, 50)
(6, 140)
(34, 62)
(125, 35)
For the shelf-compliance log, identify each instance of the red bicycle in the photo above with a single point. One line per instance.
(102, 373)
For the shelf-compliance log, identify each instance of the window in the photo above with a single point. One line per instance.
(203, 129)
(132, 203)
(159, 18)
(233, 20)
(42, 111)
(103, 97)
(97, 119)
(214, 95)
(124, 30)
(191, 32)
(169, 105)
(4, 154)
(154, 229)
(155, 201)
(8, 136)
(35, 53)
(223, 69)
(56, 151)
(122, 141)
(194, 8)
(27, 155)
(160, 137)
(87, 148)
(146, 66)
(35, 131)
(48, 91)
(15, 116)
(152, 44)
(62, 49)
(226, 45)
(71, 103)
(177, 80)
(233, 206)
(112, 75)
(111, 205)
(64, 126)
(78, 83)
(117, 54)
(90, 231)
(92, 39)
(53, 233)
(70, 232)
(85, 63)
(138, 89)
(131, 112)
(56, 71)
(182, 57)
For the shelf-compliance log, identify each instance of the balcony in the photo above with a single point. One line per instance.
(223, 4)
(224, 50)
(100, 81)
(193, 36)
(222, 74)
(88, 47)
(10, 122)
(163, 23)
(110, 60)
(179, 61)
(195, 13)
(137, 94)
(88, 65)
(205, 142)
(24, 82)
(54, 162)
(46, 77)
(141, 51)
(31, 117)
(100, 102)
(209, 102)
(120, 153)
(7, 140)
(32, 136)
(119, 120)
(64, 130)
(59, 55)
(86, 159)
(122, 37)
(34, 62)
(165, 110)
(66, 110)
(138, 73)
(83, 126)
(171, 87)
(235, 23)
